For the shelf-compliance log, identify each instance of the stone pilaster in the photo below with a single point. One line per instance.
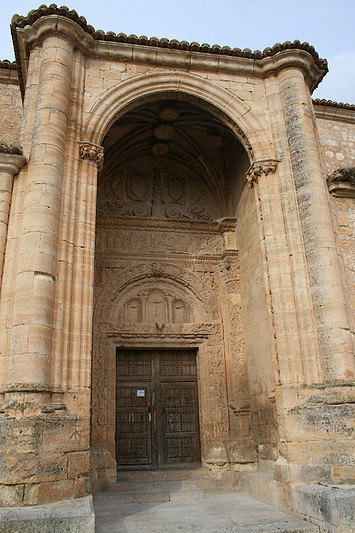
(11, 161)
(55, 424)
(37, 269)
(324, 271)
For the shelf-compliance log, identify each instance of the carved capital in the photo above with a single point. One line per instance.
(92, 152)
(341, 182)
(11, 159)
(260, 168)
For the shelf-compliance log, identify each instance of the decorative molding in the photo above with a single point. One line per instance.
(260, 168)
(11, 159)
(92, 152)
(341, 182)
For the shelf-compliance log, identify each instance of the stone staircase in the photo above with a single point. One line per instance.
(167, 486)
(196, 501)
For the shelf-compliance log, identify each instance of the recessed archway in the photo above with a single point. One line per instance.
(167, 263)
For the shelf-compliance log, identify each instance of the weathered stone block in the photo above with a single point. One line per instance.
(73, 516)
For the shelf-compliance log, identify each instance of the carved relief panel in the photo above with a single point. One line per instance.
(156, 306)
(156, 192)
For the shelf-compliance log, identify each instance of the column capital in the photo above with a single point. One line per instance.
(11, 159)
(260, 168)
(92, 152)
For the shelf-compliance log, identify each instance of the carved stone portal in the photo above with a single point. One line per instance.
(167, 273)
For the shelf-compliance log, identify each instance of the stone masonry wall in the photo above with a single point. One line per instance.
(337, 138)
(10, 107)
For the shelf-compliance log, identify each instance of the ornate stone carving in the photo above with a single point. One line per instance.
(145, 276)
(341, 182)
(260, 168)
(92, 152)
(113, 239)
(9, 149)
(155, 305)
(155, 194)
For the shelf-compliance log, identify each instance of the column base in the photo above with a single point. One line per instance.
(69, 516)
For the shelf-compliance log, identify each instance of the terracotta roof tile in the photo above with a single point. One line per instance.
(42, 11)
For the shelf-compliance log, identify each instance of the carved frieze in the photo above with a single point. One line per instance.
(92, 152)
(117, 239)
(260, 168)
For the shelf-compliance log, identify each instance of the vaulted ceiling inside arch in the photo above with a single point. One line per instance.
(171, 159)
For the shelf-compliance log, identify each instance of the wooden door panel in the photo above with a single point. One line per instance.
(177, 364)
(134, 364)
(181, 439)
(133, 424)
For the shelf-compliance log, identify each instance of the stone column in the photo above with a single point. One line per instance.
(33, 316)
(324, 272)
(11, 161)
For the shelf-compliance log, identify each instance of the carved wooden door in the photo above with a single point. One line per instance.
(157, 421)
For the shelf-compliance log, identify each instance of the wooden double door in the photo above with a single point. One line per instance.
(157, 422)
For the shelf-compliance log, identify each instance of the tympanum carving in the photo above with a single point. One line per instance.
(157, 306)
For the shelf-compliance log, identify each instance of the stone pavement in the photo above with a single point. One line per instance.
(222, 514)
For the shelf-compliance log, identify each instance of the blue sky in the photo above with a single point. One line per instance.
(256, 24)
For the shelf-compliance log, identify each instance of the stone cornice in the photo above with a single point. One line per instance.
(297, 59)
(329, 110)
(11, 163)
(8, 72)
(260, 168)
(11, 159)
(43, 11)
(30, 35)
(341, 182)
(221, 57)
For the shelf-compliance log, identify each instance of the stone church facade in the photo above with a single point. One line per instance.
(177, 267)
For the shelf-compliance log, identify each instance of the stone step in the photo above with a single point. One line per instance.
(204, 512)
(140, 475)
(164, 485)
(116, 498)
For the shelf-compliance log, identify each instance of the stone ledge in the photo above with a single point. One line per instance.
(69, 516)
(331, 507)
(341, 182)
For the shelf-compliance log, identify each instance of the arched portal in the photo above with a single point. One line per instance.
(167, 290)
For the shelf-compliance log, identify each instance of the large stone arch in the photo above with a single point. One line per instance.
(210, 281)
(235, 112)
